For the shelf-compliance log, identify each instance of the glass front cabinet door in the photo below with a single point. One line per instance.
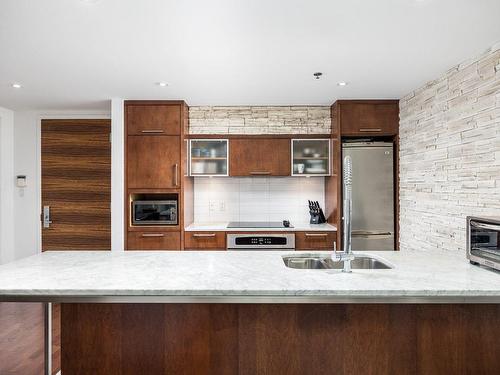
(209, 157)
(311, 157)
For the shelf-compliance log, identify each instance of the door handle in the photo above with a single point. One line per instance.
(370, 130)
(260, 173)
(370, 233)
(153, 235)
(46, 217)
(176, 177)
(197, 235)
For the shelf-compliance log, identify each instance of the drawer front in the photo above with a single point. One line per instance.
(153, 119)
(204, 240)
(315, 240)
(154, 241)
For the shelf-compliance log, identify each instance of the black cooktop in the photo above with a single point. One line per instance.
(257, 224)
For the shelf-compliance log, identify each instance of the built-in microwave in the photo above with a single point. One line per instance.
(158, 212)
(483, 241)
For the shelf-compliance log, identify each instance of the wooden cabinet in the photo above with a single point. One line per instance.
(368, 118)
(161, 119)
(156, 157)
(259, 157)
(205, 240)
(315, 240)
(153, 162)
(311, 157)
(154, 241)
(209, 157)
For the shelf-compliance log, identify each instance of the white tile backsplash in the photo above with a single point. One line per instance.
(219, 199)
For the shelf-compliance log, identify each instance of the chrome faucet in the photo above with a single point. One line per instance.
(346, 256)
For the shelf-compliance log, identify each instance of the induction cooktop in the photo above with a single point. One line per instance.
(258, 224)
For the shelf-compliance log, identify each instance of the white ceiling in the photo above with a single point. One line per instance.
(72, 54)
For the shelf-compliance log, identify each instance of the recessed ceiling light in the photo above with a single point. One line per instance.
(16, 85)
(162, 84)
(342, 83)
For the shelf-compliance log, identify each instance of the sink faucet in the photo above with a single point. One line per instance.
(346, 256)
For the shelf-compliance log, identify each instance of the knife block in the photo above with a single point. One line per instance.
(317, 217)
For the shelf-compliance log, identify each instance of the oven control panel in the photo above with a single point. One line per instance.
(260, 241)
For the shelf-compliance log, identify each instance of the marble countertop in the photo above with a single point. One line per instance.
(253, 277)
(297, 227)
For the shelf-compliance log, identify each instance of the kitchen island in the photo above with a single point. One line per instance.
(245, 312)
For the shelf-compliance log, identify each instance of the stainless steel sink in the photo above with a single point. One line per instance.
(323, 261)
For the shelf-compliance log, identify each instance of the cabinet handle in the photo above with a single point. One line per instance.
(204, 235)
(316, 234)
(370, 130)
(153, 235)
(260, 173)
(153, 131)
(176, 172)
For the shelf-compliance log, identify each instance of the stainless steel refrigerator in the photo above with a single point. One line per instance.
(372, 194)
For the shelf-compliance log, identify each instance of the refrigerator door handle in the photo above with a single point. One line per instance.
(370, 233)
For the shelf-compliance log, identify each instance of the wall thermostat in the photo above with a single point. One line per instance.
(21, 181)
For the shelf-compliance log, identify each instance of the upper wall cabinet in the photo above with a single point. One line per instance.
(368, 117)
(153, 162)
(259, 157)
(154, 119)
(311, 157)
(209, 157)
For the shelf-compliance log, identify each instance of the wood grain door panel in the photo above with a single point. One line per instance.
(153, 162)
(369, 119)
(205, 240)
(280, 339)
(154, 241)
(315, 240)
(153, 119)
(76, 184)
(259, 157)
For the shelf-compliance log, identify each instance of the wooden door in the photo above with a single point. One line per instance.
(145, 119)
(153, 162)
(76, 184)
(259, 157)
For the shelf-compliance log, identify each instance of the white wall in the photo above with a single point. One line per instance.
(7, 238)
(221, 199)
(27, 201)
(117, 174)
(26, 162)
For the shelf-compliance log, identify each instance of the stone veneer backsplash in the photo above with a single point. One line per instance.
(450, 154)
(260, 120)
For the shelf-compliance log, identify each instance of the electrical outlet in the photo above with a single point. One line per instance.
(222, 206)
(212, 206)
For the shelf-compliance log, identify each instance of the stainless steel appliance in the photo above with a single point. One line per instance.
(261, 241)
(483, 241)
(372, 213)
(161, 212)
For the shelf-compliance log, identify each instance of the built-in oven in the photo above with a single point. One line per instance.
(157, 212)
(261, 241)
(483, 241)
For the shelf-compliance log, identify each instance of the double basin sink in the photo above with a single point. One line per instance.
(324, 261)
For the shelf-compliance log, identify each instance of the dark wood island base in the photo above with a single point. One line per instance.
(280, 339)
